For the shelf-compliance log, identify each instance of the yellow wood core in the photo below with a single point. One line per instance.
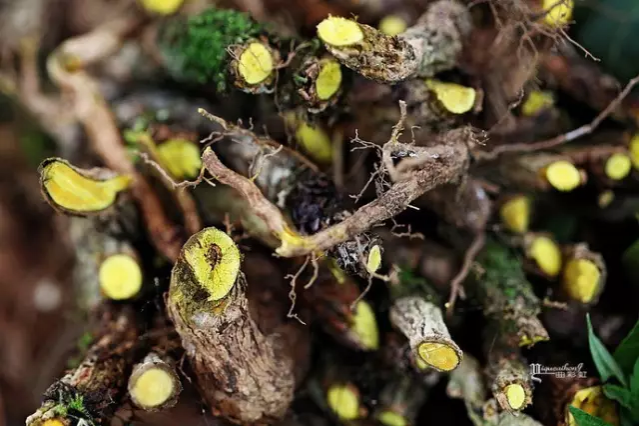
(73, 191)
(215, 261)
(53, 422)
(153, 388)
(315, 141)
(328, 80)
(618, 166)
(455, 98)
(438, 355)
(256, 63)
(374, 259)
(515, 214)
(392, 25)
(634, 150)
(536, 102)
(181, 158)
(546, 254)
(120, 277)
(344, 401)
(515, 395)
(338, 31)
(365, 325)
(391, 418)
(581, 279)
(162, 7)
(563, 175)
(559, 12)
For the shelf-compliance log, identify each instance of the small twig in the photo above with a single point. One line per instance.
(469, 257)
(563, 138)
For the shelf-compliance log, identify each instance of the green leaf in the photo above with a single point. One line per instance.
(605, 363)
(634, 382)
(628, 350)
(584, 419)
(619, 394)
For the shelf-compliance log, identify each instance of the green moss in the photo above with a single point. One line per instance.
(195, 49)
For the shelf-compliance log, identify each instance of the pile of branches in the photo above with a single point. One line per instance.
(295, 216)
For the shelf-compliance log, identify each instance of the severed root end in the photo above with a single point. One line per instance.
(391, 418)
(392, 25)
(546, 254)
(181, 158)
(162, 7)
(54, 422)
(558, 13)
(618, 166)
(364, 326)
(582, 279)
(254, 67)
(77, 191)
(440, 356)
(313, 139)
(564, 176)
(329, 79)
(343, 400)
(154, 384)
(515, 395)
(120, 277)
(634, 151)
(515, 214)
(536, 102)
(593, 401)
(455, 98)
(339, 32)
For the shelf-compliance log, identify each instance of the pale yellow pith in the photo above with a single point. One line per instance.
(256, 63)
(162, 7)
(181, 158)
(392, 25)
(53, 422)
(563, 175)
(618, 166)
(338, 31)
(315, 141)
(455, 98)
(515, 395)
(153, 388)
(634, 151)
(593, 401)
(527, 340)
(328, 80)
(559, 12)
(536, 102)
(343, 401)
(208, 246)
(120, 277)
(546, 254)
(365, 325)
(71, 190)
(438, 355)
(581, 279)
(391, 418)
(515, 214)
(374, 259)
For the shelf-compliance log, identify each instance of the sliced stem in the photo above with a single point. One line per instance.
(584, 274)
(154, 385)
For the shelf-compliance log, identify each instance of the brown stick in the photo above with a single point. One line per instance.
(91, 110)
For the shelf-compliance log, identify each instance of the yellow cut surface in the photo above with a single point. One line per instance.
(618, 166)
(153, 388)
(516, 396)
(256, 63)
(338, 31)
(365, 325)
(215, 261)
(537, 101)
(392, 25)
(120, 277)
(559, 12)
(315, 141)
(515, 214)
(374, 259)
(581, 279)
(634, 150)
(391, 418)
(439, 355)
(73, 191)
(181, 158)
(546, 254)
(563, 176)
(454, 97)
(53, 422)
(328, 80)
(344, 401)
(162, 7)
